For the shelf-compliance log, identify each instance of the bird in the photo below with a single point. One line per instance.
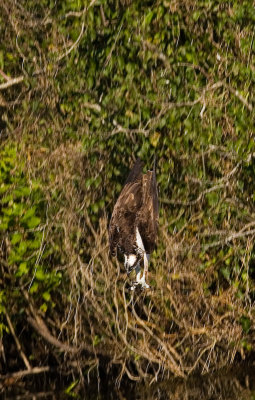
(134, 222)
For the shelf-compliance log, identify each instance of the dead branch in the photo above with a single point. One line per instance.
(21, 352)
(236, 235)
(214, 86)
(75, 44)
(95, 107)
(42, 329)
(76, 14)
(6, 77)
(11, 82)
(39, 325)
(239, 96)
(192, 202)
(21, 374)
(80, 13)
(112, 48)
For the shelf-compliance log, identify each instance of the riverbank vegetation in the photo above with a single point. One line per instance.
(85, 88)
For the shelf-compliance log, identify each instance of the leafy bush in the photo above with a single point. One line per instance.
(100, 83)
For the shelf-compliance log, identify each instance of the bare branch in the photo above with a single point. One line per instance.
(4, 75)
(112, 48)
(11, 82)
(21, 374)
(80, 13)
(192, 202)
(21, 352)
(239, 96)
(76, 14)
(73, 45)
(95, 107)
(216, 85)
(42, 329)
(236, 235)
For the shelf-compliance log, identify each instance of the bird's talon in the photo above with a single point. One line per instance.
(134, 285)
(145, 286)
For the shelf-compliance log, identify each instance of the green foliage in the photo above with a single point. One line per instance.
(3, 326)
(70, 388)
(22, 210)
(246, 323)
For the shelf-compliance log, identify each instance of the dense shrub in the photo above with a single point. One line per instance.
(85, 87)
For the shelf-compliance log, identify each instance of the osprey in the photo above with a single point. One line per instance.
(134, 222)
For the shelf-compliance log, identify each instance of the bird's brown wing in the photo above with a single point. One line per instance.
(147, 218)
(121, 228)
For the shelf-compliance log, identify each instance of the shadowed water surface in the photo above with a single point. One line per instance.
(237, 383)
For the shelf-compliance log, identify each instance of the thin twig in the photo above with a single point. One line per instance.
(192, 202)
(216, 85)
(21, 352)
(231, 237)
(112, 48)
(4, 75)
(239, 96)
(76, 14)
(92, 106)
(73, 45)
(80, 13)
(11, 82)
(20, 374)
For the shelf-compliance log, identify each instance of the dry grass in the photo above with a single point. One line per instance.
(175, 328)
(172, 328)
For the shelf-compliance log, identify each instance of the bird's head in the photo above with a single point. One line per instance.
(130, 262)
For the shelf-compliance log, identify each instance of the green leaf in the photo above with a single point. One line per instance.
(29, 213)
(71, 387)
(96, 340)
(46, 296)
(4, 223)
(34, 287)
(16, 238)
(212, 198)
(33, 222)
(225, 272)
(44, 307)
(196, 15)
(22, 270)
(22, 192)
(246, 323)
(22, 248)
(40, 275)
(148, 18)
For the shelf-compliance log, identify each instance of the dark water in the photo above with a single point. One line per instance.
(235, 383)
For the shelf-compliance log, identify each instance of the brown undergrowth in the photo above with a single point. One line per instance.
(85, 90)
(181, 325)
(171, 328)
